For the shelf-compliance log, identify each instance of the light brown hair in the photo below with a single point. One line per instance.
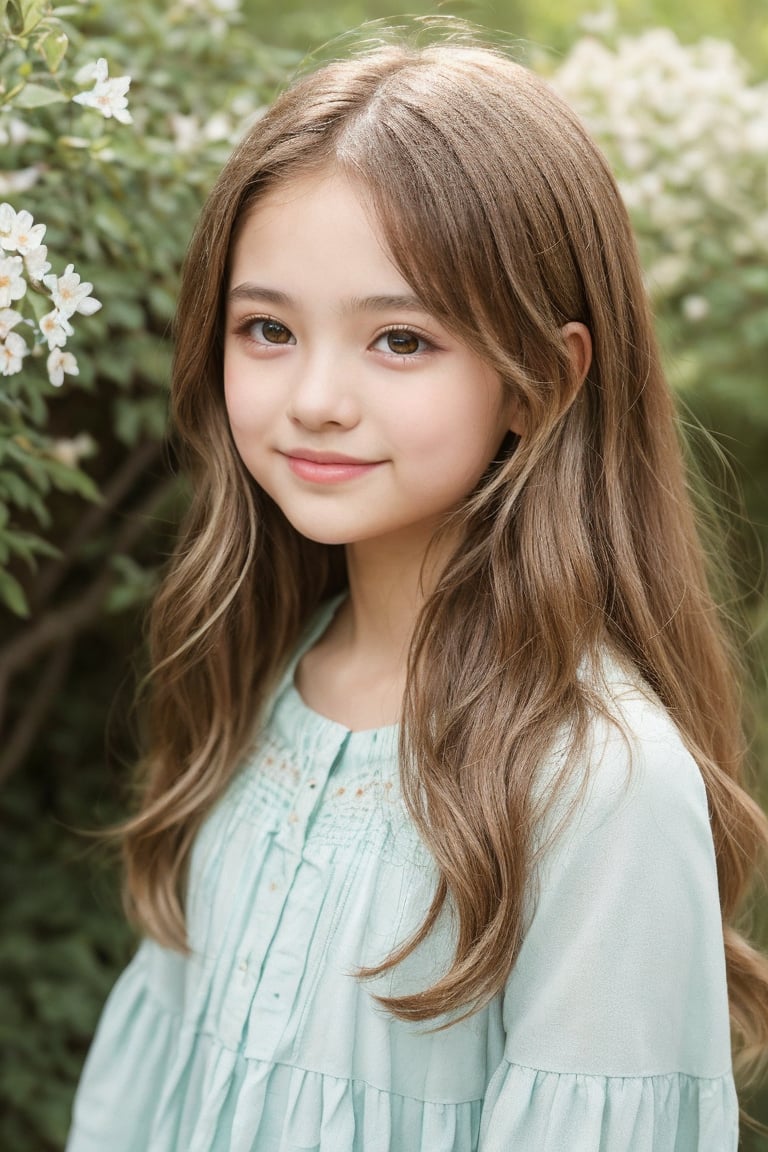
(504, 218)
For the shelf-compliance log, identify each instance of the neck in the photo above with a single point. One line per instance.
(356, 672)
(388, 583)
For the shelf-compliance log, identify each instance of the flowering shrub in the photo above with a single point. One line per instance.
(687, 135)
(23, 238)
(114, 190)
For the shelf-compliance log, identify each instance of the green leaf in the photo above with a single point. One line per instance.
(14, 488)
(12, 594)
(36, 96)
(68, 479)
(32, 12)
(35, 468)
(27, 545)
(135, 586)
(14, 16)
(54, 48)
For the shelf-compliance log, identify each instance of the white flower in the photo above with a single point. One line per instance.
(212, 7)
(107, 96)
(688, 137)
(12, 352)
(37, 263)
(218, 127)
(12, 282)
(20, 180)
(18, 130)
(695, 308)
(70, 451)
(24, 235)
(7, 219)
(55, 328)
(58, 363)
(9, 318)
(186, 132)
(69, 295)
(600, 23)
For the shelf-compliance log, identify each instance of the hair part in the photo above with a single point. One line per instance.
(504, 218)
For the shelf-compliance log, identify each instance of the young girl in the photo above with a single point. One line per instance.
(442, 832)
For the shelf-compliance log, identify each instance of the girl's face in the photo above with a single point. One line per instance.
(360, 415)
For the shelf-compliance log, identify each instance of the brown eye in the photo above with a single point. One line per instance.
(403, 342)
(274, 332)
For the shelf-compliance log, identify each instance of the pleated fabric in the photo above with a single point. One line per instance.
(612, 1032)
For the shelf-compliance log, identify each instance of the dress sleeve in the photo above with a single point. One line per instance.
(616, 1011)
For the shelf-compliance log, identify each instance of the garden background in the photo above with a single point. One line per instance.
(677, 94)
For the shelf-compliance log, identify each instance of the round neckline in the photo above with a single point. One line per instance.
(331, 724)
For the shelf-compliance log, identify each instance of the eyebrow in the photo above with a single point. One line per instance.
(255, 292)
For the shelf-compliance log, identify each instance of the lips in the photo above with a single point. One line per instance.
(327, 467)
(324, 457)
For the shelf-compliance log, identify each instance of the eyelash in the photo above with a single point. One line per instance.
(244, 327)
(428, 345)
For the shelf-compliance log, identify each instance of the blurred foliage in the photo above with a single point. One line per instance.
(84, 471)
(552, 27)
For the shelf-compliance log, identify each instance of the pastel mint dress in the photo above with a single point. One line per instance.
(612, 1032)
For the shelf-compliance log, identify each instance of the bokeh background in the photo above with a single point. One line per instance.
(677, 95)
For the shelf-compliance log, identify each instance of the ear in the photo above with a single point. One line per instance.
(515, 421)
(578, 340)
(579, 343)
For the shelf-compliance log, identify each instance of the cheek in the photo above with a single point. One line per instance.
(243, 401)
(460, 428)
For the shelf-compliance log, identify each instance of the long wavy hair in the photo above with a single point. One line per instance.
(503, 216)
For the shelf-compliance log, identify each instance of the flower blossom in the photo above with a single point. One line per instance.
(20, 180)
(108, 95)
(695, 308)
(9, 318)
(7, 217)
(12, 352)
(56, 329)
(58, 363)
(12, 283)
(22, 250)
(186, 132)
(687, 136)
(37, 263)
(69, 295)
(70, 450)
(22, 235)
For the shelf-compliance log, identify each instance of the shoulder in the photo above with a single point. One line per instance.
(632, 772)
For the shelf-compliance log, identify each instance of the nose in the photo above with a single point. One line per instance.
(323, 392)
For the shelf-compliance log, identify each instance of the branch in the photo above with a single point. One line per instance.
(62, 624)
(117, 487)
(37, 708)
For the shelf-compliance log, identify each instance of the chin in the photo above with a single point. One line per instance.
(319, 533)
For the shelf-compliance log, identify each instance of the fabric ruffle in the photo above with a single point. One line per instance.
(552, 1111)
(214, 1099)
(208, 1098)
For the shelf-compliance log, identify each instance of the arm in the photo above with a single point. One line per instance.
(616, 1013)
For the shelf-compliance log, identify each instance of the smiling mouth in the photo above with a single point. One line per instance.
(327, 467)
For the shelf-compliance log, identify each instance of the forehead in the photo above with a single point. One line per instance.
(315, 227)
